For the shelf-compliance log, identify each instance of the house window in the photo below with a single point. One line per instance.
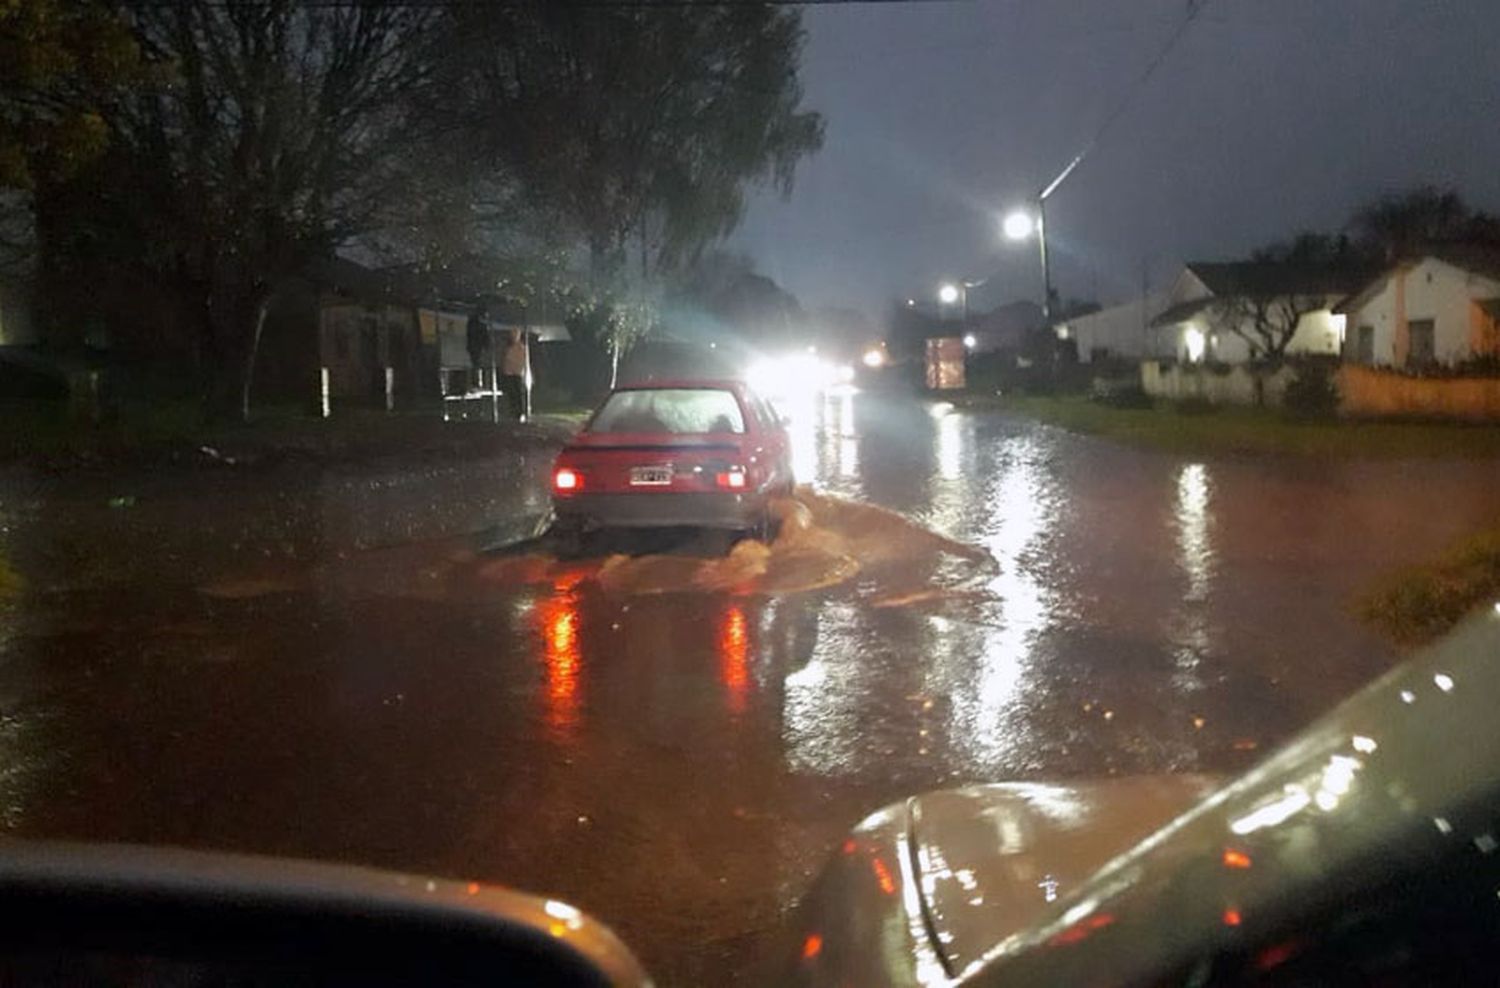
(1423, 349)
(1365, 345)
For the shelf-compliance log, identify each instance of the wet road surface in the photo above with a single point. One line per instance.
(321, 662)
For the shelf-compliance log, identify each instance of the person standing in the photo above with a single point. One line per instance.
(513, 366)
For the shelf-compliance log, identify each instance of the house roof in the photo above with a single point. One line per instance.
(1182, 312)
(1480, 259)
(1277, 278)
(458, 287)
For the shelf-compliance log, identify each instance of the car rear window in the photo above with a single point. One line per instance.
(676, 410)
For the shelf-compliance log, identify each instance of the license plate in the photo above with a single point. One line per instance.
(650, 476)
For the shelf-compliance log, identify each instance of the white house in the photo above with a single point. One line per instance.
(1439, 307)
(1194, 327)
(1118, 331)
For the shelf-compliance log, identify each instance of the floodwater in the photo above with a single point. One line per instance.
(337, 663)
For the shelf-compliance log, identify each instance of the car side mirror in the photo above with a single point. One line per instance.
(111, 914)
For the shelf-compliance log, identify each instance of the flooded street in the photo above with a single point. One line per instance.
(327, 663)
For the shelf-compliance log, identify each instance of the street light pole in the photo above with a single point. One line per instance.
(1041, 239)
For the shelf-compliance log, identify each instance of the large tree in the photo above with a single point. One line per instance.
(279, 131)
(1397, 224)
(638, 126)
(283, 132)
(63, 65)
(62, 62)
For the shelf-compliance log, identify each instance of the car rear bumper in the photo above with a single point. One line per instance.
(662, 510)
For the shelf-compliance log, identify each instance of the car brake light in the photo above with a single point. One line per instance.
(732, 479)
(566, 480)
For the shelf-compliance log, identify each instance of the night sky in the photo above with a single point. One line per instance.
(1268, 117)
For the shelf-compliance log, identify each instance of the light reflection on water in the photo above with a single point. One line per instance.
(1023, 511)
(1192, 636)
(562, 657)
(804, 414)
(734, 656)
(1192, 529)
(821, 701)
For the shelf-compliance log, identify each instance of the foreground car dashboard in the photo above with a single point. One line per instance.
(119, 915)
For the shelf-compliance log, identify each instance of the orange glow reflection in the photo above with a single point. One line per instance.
(812, 946)
(1082, 930)
(1232, 917)
(562, 654)
(734, 655)
(883, 877)
(1236, 859)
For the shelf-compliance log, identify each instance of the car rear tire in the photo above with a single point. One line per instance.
(765, 526)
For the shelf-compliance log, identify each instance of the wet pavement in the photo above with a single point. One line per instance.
(324, 662)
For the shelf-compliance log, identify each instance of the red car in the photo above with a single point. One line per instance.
(701, 453)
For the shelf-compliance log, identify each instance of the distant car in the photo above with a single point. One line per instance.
(698, 453)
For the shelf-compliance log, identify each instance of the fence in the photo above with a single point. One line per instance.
(1368, 393)
(1233, 385)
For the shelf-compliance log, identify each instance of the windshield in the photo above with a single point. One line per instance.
(1082, 389)
(675, 410)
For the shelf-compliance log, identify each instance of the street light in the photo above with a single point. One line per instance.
(948, 293)
(1018, 225)
(969, 341)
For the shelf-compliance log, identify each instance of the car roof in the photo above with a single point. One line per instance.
(673, 383)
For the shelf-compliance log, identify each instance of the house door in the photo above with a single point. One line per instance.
(1423, 351)
(1364, 352)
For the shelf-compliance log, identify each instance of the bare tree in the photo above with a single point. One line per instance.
(1267, 322)
(283, 131)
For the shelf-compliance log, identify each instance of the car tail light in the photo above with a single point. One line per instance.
(733, 480)
(566, 479)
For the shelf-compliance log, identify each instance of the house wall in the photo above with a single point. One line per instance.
(358, 342)
(1120, 330)
(1317, 333)
(1432, 289)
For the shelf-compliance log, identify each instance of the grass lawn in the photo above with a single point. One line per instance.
(1257, 431)
(1418, 604)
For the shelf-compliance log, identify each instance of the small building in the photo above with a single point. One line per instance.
(1199, 324)
(1441, 306)
(397, 332)
(1119, 332)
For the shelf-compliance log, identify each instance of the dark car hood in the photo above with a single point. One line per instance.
(992, 859)
(922, 888)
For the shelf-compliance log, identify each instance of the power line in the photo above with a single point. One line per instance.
(1194, 9)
